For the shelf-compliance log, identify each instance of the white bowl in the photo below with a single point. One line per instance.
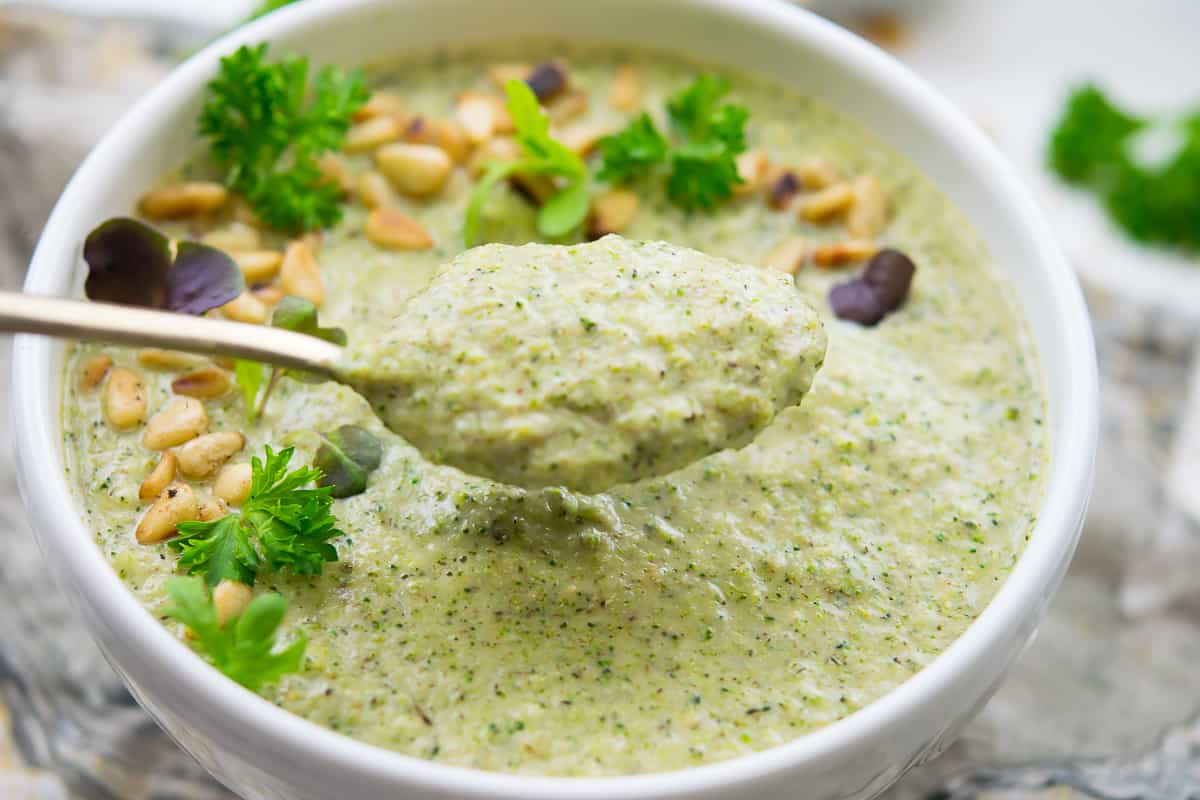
(264, 752)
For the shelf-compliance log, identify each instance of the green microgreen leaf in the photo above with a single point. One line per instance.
(541, 155)
(250, 376)
(348, 456)
(246, 647)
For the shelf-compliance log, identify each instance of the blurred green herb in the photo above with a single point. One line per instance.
(267, 7)
(245, 647)
(1094, 146)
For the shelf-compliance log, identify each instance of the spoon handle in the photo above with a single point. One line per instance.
(106, 322)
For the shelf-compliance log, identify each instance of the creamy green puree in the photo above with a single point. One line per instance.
(590, 365)
(742, 601)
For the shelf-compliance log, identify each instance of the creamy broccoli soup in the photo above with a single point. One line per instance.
(746, 598)
(590, 365)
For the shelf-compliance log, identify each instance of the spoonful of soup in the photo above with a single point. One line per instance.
(582, 366)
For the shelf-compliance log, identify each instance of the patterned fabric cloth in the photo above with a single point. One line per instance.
(1099, 706)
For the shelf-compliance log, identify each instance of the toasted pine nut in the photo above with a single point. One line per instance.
(452, 138)
(200, 457)
(477, 114)
(210, 508)
(176, 504)
(788, 255)
(380, 103)
(181, 200)
(567, 105)
(868, 216)
(827, 203)
(94, 370)
(162, 474)
(181, 419)
(815, 174)
(495, 151)
(335, 170)
(752, 167)
(583, 137)
(374, 132)
(300, 275)
(238, 236)
(503, 73)
(841, 254)
(124, 398)
(420, 130)
(373, 190)
(230, 599)
(258, 265)
(415, 169)
(271, 295)
(245, 308)
(393, 230)
(157, 358)
(312, 240)
(611, 212)
(205, 382)
(232, 483)
(625, 92)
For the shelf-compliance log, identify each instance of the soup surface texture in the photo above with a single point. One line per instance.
(589, 365)
(747, 599)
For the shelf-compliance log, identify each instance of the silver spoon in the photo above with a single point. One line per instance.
(117, 324)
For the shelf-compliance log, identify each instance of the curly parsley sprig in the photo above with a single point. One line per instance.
(245, 647)
(267, 125)
(703, 162)
(282, 523)
(541, 155)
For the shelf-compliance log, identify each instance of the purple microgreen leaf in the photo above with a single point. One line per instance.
(203, 277)
(132, 264)
(128, 262)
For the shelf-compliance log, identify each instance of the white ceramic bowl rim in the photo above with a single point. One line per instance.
(46, 492)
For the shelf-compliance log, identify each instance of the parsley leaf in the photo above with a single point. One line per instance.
(703, 164)
(282, 524)
(632, 151)
(1094, 145)
(245, 648)
(692, 110)
(541, 155)
(267, 134)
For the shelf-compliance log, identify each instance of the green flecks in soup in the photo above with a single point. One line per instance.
(747, 599)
